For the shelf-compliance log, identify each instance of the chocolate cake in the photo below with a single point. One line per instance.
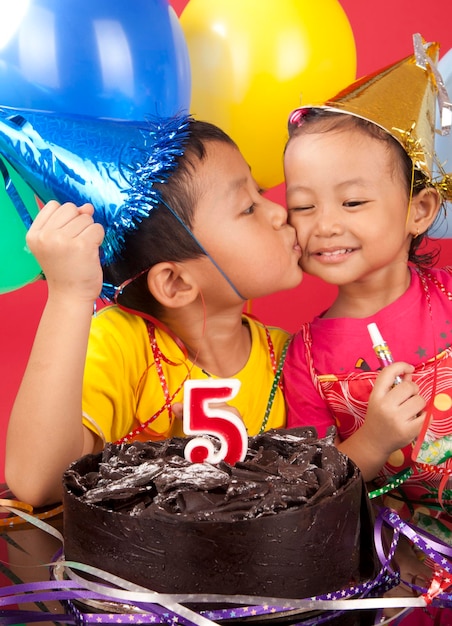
(290, 521)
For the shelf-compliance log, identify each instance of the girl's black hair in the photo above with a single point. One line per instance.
(414, 178)
(161, 237)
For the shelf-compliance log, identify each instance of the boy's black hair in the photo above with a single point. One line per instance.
(161, 237)
(413, 177)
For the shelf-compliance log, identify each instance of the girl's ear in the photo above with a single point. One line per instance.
(172, 284)
(424, 208)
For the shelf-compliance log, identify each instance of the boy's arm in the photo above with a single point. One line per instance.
(394, 418)
(45, 431)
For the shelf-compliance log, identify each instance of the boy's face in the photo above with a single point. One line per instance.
(347, 200)
(246, 234)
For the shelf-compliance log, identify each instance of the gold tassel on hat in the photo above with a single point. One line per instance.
(401, 99)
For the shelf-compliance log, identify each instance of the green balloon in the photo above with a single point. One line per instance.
(18, 267)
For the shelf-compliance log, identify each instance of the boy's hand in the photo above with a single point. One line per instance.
(65, 241)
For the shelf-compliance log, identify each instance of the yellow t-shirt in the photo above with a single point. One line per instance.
(122, 387)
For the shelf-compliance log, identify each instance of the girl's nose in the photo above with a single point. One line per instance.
(328, 222)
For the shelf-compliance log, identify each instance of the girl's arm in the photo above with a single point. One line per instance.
(45, 431)
(394, 418)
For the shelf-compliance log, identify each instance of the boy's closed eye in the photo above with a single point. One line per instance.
(250, 210)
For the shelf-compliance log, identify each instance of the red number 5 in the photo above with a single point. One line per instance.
(200, 418)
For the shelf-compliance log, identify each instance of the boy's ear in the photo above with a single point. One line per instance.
(172, 284)
(424, 208)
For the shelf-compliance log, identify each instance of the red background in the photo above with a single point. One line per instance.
(383, 34)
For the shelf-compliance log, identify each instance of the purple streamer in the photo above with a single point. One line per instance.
(74, 594)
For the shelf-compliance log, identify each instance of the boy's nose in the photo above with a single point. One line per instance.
(279, 213)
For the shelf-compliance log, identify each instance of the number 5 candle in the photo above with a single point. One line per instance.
(201, 418)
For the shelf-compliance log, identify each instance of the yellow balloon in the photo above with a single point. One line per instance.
(253, 61)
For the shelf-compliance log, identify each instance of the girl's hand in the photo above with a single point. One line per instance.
(395, 412)
(65, 241)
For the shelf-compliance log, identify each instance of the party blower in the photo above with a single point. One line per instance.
(381, 349)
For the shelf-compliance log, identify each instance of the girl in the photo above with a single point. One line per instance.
(361, 196)
(211, 242)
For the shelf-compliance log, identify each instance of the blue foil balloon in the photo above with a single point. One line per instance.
(122, 59)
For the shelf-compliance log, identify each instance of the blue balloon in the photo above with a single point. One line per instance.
(121, 59)
(443, 146)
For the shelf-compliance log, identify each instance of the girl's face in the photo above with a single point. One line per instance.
(245, 233)
(348, 202)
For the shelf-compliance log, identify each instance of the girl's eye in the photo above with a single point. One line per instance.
(250, 209)
(300, 209)
(353, 203)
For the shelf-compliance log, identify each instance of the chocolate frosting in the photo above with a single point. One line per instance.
(282, 470)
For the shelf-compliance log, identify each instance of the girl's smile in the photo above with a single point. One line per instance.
(332, 255)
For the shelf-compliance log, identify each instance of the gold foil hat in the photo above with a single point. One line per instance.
(401, 99)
